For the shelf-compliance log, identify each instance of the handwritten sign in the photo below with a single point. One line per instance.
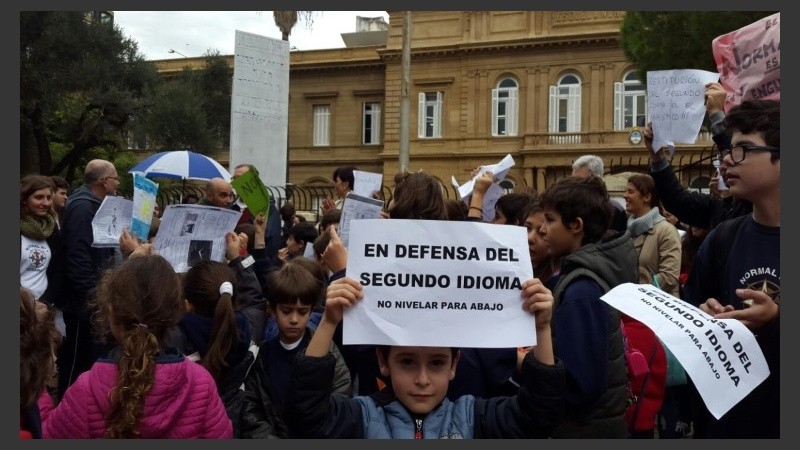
(438, 283)
(144, 202)
(367, 183)
(252, 191)
(676, 104)
(749, 61)
(721, 356)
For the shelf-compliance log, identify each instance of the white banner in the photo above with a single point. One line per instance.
(721, 356)
(438, 283)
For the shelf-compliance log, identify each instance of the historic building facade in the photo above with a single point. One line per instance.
(543, 86)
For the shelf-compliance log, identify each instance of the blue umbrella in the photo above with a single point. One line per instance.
(181, 164)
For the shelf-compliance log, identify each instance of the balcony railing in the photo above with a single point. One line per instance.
(595, 137)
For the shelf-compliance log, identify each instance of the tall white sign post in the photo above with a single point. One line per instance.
(260, 106)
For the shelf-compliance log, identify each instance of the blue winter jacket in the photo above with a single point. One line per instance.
(312, 412)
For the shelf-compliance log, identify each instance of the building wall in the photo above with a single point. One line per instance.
(464, 54)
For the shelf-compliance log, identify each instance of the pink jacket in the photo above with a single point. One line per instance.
(183, 404)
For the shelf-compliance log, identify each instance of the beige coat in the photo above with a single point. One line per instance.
(659, 250)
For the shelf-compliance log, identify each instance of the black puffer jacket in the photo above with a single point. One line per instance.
(609, 262)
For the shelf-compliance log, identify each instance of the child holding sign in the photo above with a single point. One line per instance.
(413, 405)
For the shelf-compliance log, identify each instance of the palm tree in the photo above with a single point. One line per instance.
(286, 20)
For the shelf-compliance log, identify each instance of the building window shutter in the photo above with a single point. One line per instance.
(553, 109)
(511, 109)
(437, 116)
(376, 123)
(421, 116)
(495, 100)
(574, 109)
(619, 92)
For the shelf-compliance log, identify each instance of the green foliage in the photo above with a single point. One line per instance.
(177, 118)
(665, 40)
(80, 84)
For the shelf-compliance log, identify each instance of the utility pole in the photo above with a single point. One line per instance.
(406, 69)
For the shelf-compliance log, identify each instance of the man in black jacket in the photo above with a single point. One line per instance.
(83, 267)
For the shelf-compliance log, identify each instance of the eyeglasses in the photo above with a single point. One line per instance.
(738, 151)
(113, 178)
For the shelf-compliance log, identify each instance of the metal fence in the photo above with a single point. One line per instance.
(307, 199)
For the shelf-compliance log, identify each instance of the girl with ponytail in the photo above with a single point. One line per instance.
(143, 388)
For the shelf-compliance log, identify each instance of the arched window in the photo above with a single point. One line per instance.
(630, 102)
(504, 108)
(565, 105)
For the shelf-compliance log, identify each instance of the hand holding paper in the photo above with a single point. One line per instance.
(761, 309)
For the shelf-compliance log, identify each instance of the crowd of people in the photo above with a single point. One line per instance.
(115, 344)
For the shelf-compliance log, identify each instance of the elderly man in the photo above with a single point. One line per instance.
(83, 265)
(218, 193)
(588, 165)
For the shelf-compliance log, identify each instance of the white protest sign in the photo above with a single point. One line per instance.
(499, 171)
(438, 283)
(357, 207)
(144, 202)
(367, 183)
(113, 215)
(721, 356)
(192, 233)
(676, 104)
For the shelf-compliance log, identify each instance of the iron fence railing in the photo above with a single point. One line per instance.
(308, 198)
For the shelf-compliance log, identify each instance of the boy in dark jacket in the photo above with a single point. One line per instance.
(294, 292)
(746, 284)
(414, 403)
(586, 330)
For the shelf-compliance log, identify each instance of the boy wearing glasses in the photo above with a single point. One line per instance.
(746, 284)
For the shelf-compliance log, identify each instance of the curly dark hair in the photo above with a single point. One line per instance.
(38, 341)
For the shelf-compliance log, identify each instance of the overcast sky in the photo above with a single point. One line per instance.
(192, 33)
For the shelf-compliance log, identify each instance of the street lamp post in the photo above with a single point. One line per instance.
(172, 50)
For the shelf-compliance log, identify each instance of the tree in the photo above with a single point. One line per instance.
(215, 81)
(286, 20)
(664, 40)
(80, 83)
(177, 118)
(193, 110)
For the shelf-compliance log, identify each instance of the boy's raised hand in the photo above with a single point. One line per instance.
(335, 254)
(342, 293)
(538, 300)
(232, 245)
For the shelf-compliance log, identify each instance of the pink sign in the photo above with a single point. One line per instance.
(749, 61)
